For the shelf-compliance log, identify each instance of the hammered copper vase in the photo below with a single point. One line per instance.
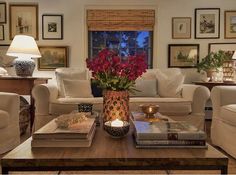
(115, 105)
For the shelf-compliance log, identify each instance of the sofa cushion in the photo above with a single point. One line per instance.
(169, 85)
(77, 88)
(168, 106)
(145, 88)
(4, 119)
(70, 74)
(228, 114)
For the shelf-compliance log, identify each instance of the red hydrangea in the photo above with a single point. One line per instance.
(113, 73)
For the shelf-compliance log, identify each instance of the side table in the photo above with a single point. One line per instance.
(210, 84)
(22, 86)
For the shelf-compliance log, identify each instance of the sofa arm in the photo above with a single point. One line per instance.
(10, 102)
(198, 95)
(222, 95)
(43, 94)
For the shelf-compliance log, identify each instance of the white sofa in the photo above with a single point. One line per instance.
(9, 121)
(223, 128)
(184, 102)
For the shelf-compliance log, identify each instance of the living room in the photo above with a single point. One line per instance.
(163, 23)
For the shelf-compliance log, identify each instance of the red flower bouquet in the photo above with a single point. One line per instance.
(112, 73)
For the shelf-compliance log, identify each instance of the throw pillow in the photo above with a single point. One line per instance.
(69, 74)
(169, 86)
(96, 91)
(145, 87)
(77, 88)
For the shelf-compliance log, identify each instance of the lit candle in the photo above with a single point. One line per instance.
(150, 109)
(117, 123)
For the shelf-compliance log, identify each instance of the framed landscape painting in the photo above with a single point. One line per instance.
(2, 37)
(5, 61)
(53, 57)
(227, 47)
(52, 27)
(230, 24)
(181, 27)
(207, 23)
(3, 15)
(23, 20)
(183, 55)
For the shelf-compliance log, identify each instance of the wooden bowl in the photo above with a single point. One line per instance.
(149, 110)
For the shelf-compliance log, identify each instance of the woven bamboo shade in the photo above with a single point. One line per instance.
(120, 20)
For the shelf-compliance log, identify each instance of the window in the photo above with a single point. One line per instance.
(128, 31)
(125, 42)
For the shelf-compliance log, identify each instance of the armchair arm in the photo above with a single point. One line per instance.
(222, 95)
(10, 102)
(198, 95)
(43, 94)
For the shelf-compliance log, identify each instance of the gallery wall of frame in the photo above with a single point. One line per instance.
(24, 20)
(206, 26)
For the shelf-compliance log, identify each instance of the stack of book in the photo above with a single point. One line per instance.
(168, 134)
(52, 136)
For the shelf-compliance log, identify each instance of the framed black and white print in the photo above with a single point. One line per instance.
(2, 37)
(183, 55)
(181, 27)
(230, 24)
(207, 23)
(3, 13)
(52, 27)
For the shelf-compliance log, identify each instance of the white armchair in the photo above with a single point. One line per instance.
(223, 128)
(9, 121)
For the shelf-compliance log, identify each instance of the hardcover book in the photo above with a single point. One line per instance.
(67, 142)
(167, 130)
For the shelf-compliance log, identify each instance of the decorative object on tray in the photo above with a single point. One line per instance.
(116, 128)
(116, 77)
(141, 116)
(212, 62)
(85, 107)
(68, 130)
(168, 134)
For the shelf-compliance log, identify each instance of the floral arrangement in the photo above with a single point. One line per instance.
(112, 73)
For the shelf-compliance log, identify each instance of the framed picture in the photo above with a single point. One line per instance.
(2, 37)
(228, 47)
(183, 55)
(23, 20)
(181, 27)
(53, 57)
(3, 14)
(5, 61)
(230, 24)
(207, 23)
(52, 27)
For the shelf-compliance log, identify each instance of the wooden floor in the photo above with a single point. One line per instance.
(231, 166)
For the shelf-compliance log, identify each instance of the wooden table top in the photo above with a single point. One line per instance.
(109, 152)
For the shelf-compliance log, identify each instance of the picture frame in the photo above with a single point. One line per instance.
(183, 55)
(23, 20)
(2, 36)
(53, 57)
(207, 23)
(52, 27)
(214, 47)
(3, 12)
(230, 24)
(181, 27)
(5, 61)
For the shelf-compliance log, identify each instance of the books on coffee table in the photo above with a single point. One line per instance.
(171, 134)
(52, 136)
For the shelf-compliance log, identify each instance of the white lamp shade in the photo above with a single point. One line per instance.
(234, 55)
(23, 46)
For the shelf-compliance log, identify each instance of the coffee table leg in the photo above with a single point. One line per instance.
(224, 170)
(5, 170)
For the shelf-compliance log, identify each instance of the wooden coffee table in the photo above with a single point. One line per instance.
(107, 153)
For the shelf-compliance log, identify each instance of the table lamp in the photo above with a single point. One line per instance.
(24, 48)
(229, 69)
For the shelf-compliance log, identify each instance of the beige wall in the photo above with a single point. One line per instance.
(75, 34)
